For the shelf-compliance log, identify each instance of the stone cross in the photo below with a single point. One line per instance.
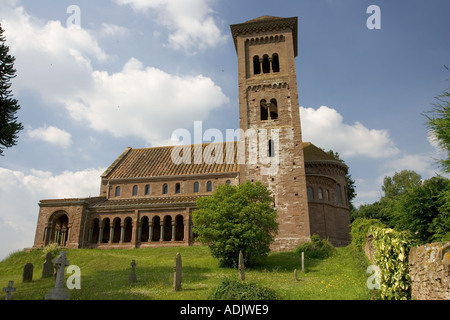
(27, 275)
(9, 290)
(132, 278)
(47, 267)
(59, 292)
(241, 267)
(177, 273)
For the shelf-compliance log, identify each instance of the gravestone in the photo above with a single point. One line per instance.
(47, 267)
(59, 292)
(303, 262)
(132, 278)
(295, 275)
(27, 275)
(9, 290)
(241, 267)
(177, 273)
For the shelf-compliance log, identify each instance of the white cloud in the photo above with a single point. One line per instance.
(113, 30)
(51, 135)
(325, 128)
(18, 217)
(137, 101)
(191, 26)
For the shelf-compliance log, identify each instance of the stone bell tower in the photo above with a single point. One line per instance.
(269, 109)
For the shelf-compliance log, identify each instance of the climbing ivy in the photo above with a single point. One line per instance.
(391, 256)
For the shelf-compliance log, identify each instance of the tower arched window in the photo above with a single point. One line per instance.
(256, 65)
(273, 109)
(117, 192)
(266, 64)
(310, 193)
(320, 193)
(165, 188)
(271, 148)
(196, 187)
(264, 113)
(209, 186)
(177, 188)
(275, 63)
(147, 190)
(135, 191)
(339, 193)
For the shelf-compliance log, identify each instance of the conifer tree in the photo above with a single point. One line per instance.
(9, 127)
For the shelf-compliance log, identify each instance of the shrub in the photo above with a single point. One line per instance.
(234, 289)
(359, 229)
(52, 248)
(316, 248)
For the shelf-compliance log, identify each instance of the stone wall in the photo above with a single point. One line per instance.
(429, 268)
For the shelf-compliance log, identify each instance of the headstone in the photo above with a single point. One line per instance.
(295, 275)
(9, 290)
(177, 273)
(27, 275)
(59, 292)
(47, 267)
(241, 267)
(132, 278)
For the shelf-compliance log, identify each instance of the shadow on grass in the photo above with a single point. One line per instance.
(285, 262)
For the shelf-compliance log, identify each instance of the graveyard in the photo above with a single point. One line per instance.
(159, 274)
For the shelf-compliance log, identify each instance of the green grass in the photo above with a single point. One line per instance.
(104, 274)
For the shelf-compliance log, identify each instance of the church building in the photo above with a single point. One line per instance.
(146, 198)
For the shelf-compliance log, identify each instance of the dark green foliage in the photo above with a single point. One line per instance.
(9, 127)
(316, 248)
(360, 227)
(233, 289)
(237, 218)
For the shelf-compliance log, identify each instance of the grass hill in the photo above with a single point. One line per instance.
(105, 273)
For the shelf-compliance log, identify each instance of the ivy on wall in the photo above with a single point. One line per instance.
(391, 256)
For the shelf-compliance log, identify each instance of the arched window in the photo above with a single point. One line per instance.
(266, 64)
(165, 189)
(196, 187)
(147, 190)
(135, 191)
(264, 113)
(256, 65)
(273, 109)
(117, 191)
(310, 193)
(177, 188)
(339, 193)
(228, 182)
(275, 63)
(209, 186)
(320, 193)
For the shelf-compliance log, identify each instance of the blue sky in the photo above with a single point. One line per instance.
(137, 70)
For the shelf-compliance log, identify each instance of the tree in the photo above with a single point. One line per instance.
(9, 127)
(400, 183)
(237, 218)
(438, 122)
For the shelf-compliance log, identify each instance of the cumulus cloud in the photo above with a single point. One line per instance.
(190, 23)
(51, 135)
(325, 128)
(18, 217)
(138, 101)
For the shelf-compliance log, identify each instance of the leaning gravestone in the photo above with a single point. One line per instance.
(59, 292)
(177, 273)
(47, 267)
(241, 267)
(132, 278)
(27, 275)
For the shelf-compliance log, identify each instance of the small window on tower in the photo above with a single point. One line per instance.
(135, 191)
(165, 189)
(271, 148)
(273, 109)
(263, 110)
(256, 65)
(275, 63)
(266, 64)
(177, 188)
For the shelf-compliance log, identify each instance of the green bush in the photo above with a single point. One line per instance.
(234, 289)
(359, 229)
(52, 248)
(316, 248)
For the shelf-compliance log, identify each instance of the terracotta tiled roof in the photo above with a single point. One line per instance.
(157, 162)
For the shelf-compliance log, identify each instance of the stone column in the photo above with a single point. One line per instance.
(100, 235)
(150, 230)
(161, 238)
(122, 231)
(174, 229)
(111, 233)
